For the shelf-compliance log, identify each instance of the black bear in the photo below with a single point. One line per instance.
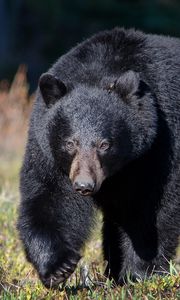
(105, 132)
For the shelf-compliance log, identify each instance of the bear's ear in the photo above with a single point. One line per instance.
(51, 88)
(129, 84)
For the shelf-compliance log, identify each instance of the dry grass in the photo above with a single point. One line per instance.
(15, 107)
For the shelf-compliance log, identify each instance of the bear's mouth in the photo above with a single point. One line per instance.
(84, 188)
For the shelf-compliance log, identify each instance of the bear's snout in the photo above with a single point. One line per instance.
(86, 173)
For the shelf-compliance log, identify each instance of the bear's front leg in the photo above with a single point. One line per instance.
(112, 250)
(53, 226)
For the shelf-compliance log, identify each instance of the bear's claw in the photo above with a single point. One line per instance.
(60, 275)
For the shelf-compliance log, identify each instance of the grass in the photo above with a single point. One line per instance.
(18, 280)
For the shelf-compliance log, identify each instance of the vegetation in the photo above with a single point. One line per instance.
(18, 280)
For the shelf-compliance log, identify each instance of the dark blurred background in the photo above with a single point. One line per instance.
(37, 32)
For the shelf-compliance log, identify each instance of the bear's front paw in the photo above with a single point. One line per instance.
(60, 273)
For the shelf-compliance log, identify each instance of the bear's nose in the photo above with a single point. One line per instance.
(84, 188)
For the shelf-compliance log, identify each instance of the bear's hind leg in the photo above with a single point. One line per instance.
(125, 260)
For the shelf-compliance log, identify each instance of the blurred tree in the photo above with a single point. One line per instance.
(38, 32)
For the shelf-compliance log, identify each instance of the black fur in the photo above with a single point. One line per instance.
(122, 86)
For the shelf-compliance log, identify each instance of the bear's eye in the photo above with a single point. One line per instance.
(70, 145)
(104, 145)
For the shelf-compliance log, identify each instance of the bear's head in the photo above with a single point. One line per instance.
(94, 131)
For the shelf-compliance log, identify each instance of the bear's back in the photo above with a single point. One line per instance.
(116, 51)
